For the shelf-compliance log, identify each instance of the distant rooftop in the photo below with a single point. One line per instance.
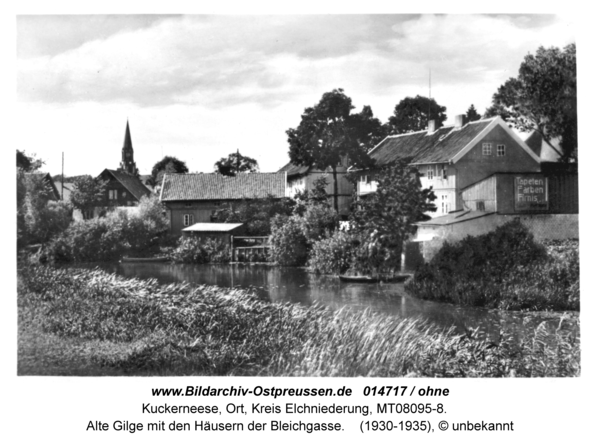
(214, 186)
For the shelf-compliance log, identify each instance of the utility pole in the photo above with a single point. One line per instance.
(429, 103)
(62, 178)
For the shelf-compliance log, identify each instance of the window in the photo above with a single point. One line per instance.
(445, 204)
(112, 194)
(480, 205)
(188, 204)
(487, 148)
(188, 219)
(444, 173)
(501, 150)
(429, 172)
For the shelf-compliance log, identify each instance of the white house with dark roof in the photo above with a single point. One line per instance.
(451, 158)
(195, 197)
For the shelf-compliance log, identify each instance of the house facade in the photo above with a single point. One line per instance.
(122, 189)
(452, 158)
(195, 198)
(301, 178)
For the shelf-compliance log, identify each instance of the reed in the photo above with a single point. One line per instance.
(130, 326)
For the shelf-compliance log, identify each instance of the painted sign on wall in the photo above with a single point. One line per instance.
(531, 193)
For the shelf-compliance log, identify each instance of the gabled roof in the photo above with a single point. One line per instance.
(293, 170)
(545, 151)
(47, 178)
(447, 144)
(214, 186)
(130, 182)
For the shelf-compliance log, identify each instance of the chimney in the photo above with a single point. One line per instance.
(460, 121)
(432, 126)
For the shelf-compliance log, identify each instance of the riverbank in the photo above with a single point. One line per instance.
(504, 269)
(98, 324)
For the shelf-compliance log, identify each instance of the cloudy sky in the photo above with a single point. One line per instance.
(201, 86)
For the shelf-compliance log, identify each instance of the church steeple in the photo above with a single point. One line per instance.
(127, 162)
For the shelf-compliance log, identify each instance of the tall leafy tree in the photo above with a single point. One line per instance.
(386, 219)
(543, 98)
(472, 114)
(86, 193)
(168, 164)
(236, 163)
(328, 133)
(413, 114)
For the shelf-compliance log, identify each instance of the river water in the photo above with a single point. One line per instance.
(289, 284)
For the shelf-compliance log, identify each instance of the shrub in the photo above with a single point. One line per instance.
(196, 250)
(318, 221)
(504, 269)
(288, 243)
(110, 237)
(333, 254)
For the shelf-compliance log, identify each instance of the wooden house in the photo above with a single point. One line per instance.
(449, 159)
(122, 189)
(195, 198)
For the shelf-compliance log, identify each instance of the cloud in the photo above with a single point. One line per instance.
(201, 86)
(219, 60)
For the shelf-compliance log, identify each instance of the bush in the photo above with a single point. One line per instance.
(318, 221)
(110, 237)
(288, 244)
(504, 269)
(333, 254)
(195, 250)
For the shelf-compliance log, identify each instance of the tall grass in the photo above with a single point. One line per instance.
(144, 328)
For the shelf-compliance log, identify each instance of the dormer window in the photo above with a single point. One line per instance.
(501, 150)
(487, 149)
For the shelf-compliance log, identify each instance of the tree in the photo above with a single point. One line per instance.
(329, 133)
(256, 214)
(236, 163)
(472, 114)
(86, 193)
(413, 114)
(168, 164)
(28, 163)
(386, 218)
(543, 98)
(38, 217)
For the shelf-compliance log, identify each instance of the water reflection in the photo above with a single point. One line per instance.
(283, 284)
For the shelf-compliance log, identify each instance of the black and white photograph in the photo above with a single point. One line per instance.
(286, 198)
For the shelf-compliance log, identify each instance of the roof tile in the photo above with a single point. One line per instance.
(421, 147)
(214, 186)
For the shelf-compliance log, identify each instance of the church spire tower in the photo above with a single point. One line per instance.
(127, 162)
